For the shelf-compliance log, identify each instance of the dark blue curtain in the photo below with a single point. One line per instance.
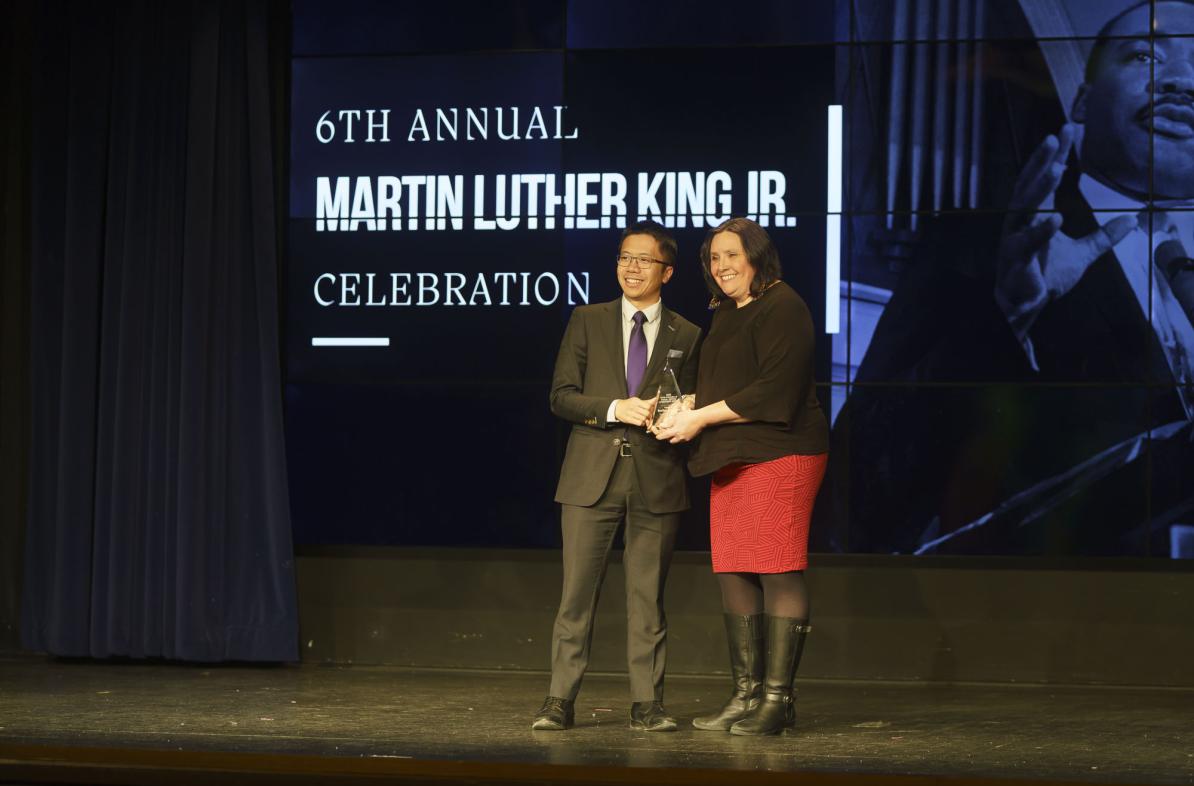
(15, 53)
(158, 521)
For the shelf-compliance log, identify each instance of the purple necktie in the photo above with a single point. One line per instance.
(636, 355)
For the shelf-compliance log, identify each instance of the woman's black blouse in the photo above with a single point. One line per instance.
(759, 359)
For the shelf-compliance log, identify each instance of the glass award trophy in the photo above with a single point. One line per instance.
(671, 399)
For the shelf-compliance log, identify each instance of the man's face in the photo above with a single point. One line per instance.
(1142, 87)
(644, 276)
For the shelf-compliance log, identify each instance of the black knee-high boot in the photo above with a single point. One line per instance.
(785, 642)
(747, 653)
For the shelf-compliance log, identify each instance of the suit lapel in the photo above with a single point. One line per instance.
(663, 342)
(1104, 286)
(611, 326)
(1105, 274)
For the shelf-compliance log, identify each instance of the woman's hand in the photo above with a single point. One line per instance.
(662, 420)
(683, 426)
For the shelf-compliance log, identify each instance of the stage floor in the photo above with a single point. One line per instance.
(1100, 735)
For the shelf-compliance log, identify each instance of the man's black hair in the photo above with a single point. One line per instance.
(665, 239)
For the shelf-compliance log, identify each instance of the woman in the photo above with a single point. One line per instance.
(763, 437)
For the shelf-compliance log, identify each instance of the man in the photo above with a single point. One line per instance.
(606, 377)
(1086, 311)
(1137, 110)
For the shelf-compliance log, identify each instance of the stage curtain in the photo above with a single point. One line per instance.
(14, 310)
(158, 522)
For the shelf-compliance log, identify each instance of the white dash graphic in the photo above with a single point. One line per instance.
(327, 341)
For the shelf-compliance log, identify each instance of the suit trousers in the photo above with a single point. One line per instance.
(588, 539)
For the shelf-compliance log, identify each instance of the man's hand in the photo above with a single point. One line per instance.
(635, 411)
(1036, 263)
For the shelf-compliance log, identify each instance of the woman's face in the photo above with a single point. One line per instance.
(730, 268)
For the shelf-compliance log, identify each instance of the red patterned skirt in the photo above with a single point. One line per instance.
(759, 514)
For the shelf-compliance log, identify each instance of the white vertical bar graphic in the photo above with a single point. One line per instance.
(833, 223)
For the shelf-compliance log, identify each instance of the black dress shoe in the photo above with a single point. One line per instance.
(651, 716)
(556, 714)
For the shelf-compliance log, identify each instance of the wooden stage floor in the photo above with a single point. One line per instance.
(61, 717)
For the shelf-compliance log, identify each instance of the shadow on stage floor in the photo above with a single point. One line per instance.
(87, 722)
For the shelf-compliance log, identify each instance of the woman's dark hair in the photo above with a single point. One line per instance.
(759, 252)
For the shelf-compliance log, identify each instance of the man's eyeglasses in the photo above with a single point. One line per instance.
(626, 260)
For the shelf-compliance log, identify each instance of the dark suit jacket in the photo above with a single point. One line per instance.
(590, 372)
(927, 459)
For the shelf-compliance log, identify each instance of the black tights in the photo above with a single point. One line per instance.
(777, 594)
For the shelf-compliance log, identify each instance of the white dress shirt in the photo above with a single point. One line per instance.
(1149, 283)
